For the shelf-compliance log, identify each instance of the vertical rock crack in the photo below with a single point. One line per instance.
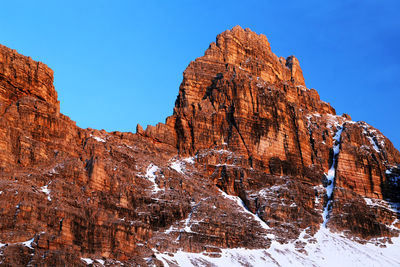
(331, 175)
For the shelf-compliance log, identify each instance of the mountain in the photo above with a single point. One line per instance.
(252, 169)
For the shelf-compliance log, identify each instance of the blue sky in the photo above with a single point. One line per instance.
(119, 63)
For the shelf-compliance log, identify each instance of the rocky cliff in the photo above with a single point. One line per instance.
(251, 158)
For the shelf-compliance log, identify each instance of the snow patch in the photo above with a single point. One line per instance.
(151, 176)
(171, 229)
(373, 137)
(177, 166)
(98, 139)
(189, 160)
(46, 190)
(187, 227)
(373, 202)
(28, 243)
(244, 209)
(214, 151)
(102, 262)
(87, 260)
(373, 143)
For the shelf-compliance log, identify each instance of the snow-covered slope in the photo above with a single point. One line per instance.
(324, 249)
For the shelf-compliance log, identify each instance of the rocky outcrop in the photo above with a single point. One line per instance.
(243, 161)
(21, 76)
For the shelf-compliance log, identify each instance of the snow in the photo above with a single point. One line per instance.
(28, 243)
(260, 84)
(47, 191)
(244, 209)
(395, 207)
(100, 261)
(177, 166)
(87, 260)
(130, 147)
(373, 143)
(225, 165)
(187, 227)
(333, 120)
(170, 229)
(372, 136)
(189, 160)
(303, 88)
(324, 249)
(151, 176)
(214, 151)
(98, 139)
(331, 174)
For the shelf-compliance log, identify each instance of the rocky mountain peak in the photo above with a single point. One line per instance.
(251, 168)
(252, 52)
(238, 78)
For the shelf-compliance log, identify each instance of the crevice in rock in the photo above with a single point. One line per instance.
(296, 131)
(329, 181)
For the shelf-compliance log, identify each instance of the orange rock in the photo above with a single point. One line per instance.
(244, 124)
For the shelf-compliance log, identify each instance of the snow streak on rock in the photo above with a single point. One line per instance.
(151, 176)
(332, 174)
(240, 203)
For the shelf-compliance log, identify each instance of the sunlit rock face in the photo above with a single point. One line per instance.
(250, 159)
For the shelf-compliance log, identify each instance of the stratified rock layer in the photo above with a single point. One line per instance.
(240, 163)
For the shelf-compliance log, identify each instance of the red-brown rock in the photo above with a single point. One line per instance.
(244, 124)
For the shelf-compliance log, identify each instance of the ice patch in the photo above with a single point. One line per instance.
(332, 174)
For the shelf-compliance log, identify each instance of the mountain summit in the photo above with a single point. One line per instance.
(252, 168)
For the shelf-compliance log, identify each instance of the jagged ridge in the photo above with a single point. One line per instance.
(244, 123)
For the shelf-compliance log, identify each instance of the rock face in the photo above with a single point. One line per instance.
(245, 160)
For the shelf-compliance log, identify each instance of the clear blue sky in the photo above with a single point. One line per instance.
(119, 63)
